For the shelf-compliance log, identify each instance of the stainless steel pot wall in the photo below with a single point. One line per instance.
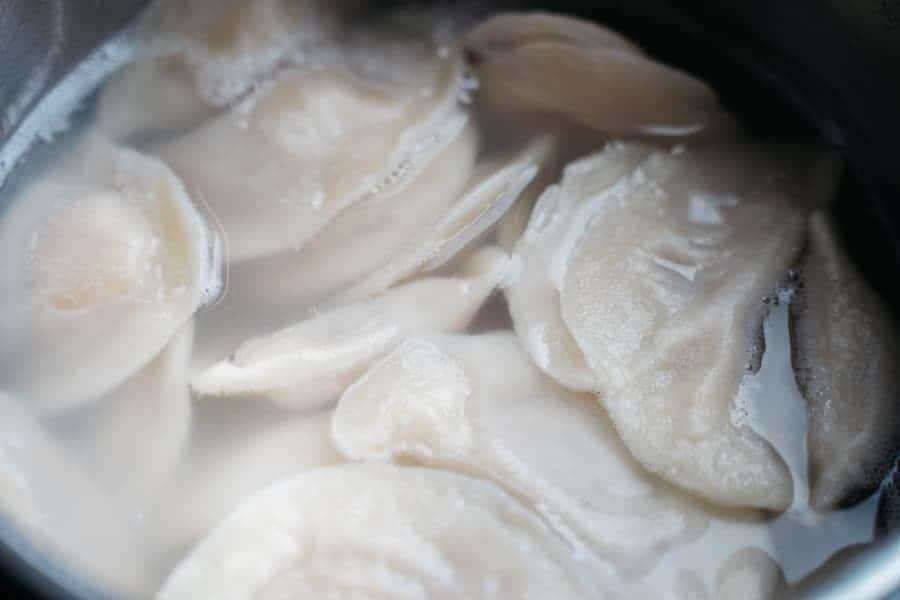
(822, 68)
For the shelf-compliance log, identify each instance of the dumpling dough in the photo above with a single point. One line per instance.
(363, 237)
(308, 365)
(492, 189)
(283, 288)
(57, 512)
(588, 75)
(132, 439)
(477, 404)
(380, 531)
(280, 165)
(643, 277)
(106, 244)
(197, 56)
(849, 371)
(663, 293)
(534, 297)
(242, 456)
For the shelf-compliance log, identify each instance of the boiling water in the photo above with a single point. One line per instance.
(152, 470)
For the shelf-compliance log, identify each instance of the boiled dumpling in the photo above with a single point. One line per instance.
(280, 165)
(477, 404)
(356, 242)
(588, 75)
(59, 511)
(380, 531)
(132, 439)
(308, 365)
(105, 245)
(658, 264)
(849, 372)
(534, 296)
(241, 456)
(197, 56)
(491, 191)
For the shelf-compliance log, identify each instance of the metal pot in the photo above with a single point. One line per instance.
(825, 69)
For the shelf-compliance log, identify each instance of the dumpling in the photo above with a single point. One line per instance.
(493, 188)
(658, 264)
(228, 465)
(131, 440)
(353, 244)
(380, 531)
(533, 298)
(308, 365)
(280, 165)
(477, 404)
(197, 56)
(55, 510)
(106, 244)
(585, 74)
(848, 369)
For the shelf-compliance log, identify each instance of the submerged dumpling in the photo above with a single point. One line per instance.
(380, 531)
(56, 511)
(591, 76)
(362, 237)
(231, 459)
(491, 190)
(280, 165)
(308, 365)
(477, 404)
(356, 242)
(849, 372)
(105, 245)
(198, 56)
(648, 271)
(132, 439)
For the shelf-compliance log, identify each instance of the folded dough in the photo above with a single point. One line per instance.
(380, 531)
(644, 273)
(106, 243)
(588, 75)
(478, 405)
(308, 365)
(848, 369)
(133, 437)
(276, 168)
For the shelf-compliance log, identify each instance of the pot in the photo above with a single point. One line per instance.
(826, 70)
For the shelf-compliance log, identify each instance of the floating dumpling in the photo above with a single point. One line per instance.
(308, 365)
(381, 531)
(362, 237)
(534, 297)
(477, 404)
(311, 142)
(57, 512)
(491, 191)
(357, 241)
(104, 261)
(230, 463)
(648, 271)
(196, 57)
(588, 75)
(131, 440)
(849, 372)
